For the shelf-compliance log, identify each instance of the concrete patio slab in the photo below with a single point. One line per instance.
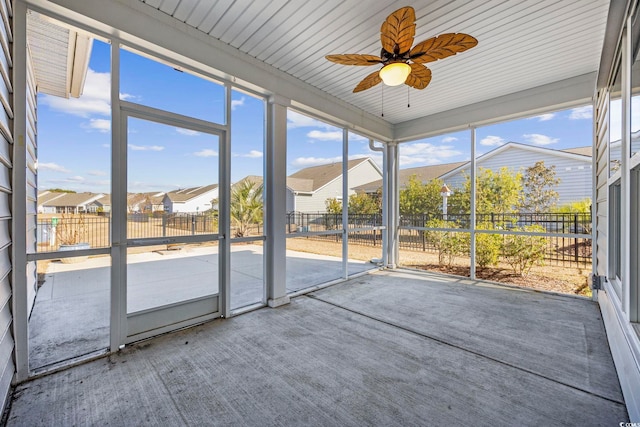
(343, 357)
(71, 314)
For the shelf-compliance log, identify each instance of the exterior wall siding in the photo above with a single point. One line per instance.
(32, 181)
(575, 175)
(361, 174)
(7, 367)
(602, 189)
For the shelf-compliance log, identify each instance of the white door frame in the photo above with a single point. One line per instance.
(127, 328)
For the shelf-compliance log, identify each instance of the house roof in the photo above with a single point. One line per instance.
(105, 200)
(584, 151)
(311, 179)
(186, 194)
(153, 197)
(531, 148)
(46, 196)
(424, 173)
(72, 199)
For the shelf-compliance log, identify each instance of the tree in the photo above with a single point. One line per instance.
(333, 205)
(246, 206)
(60, 190)
(496, 192)
(539, 184)
(419, 198)
(363, 204)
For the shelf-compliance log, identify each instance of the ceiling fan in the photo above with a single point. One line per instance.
(401, 62)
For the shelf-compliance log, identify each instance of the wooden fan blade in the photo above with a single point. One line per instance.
(368, 82)
(354, 59)
(398, 30)
(440, 47)
(420, 76)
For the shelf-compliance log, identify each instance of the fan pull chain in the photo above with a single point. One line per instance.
(382, 100)
(408, 101)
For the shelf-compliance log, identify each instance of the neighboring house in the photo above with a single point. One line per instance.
(145, 202)
(68, 202)
(572, 166)
(103, 204)
(309, 188)
(196, 199)
(44, 197)
(423, 173)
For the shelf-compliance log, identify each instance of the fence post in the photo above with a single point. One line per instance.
(575, 225)
(164, 224)
(193, 224)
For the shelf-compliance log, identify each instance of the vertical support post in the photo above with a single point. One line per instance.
(472, 203)
(118, 324)
(276, 201)
(224, 211)
(19, 197)
(345, 203)
(391, 172)
(625, 175)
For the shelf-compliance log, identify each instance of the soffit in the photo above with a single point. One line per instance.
(522, 44)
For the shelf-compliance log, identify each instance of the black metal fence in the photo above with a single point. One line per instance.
(562, 250)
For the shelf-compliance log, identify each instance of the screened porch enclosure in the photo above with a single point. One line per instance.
(200, 168)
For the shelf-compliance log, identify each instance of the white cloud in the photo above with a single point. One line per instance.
(538, 139)
(426, 153)
(145, 147)
(95, 99)
(356, 137)
(207, 152)
(329, 135)
(492, 141)
(97, 173)
(235, 103)
(53, 167)
(187, 132)
(101, 125)
(75, 178)
(579, 113)
(253, 154)
(305, 162)
(544, 117)
(297, 120)
(449, 139)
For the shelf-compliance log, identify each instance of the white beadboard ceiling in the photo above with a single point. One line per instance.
(522, 44)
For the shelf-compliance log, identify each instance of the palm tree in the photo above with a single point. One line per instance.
(246, 206)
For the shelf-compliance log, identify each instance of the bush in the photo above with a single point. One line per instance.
(449, 244)
(488, 246)
(522, 252)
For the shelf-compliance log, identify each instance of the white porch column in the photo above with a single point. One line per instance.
(392, 202)
(276, 201)
(20, 309)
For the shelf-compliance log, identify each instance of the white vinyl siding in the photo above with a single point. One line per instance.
(574, 174)
(361, 174)
(7, 367)
(601, 164)
(32, 181)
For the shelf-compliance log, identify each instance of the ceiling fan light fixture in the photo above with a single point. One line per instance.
(395, 74)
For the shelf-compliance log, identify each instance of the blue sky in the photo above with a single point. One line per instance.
(74, 137)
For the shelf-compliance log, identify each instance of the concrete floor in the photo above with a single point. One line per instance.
(388, 348)
(71, 313)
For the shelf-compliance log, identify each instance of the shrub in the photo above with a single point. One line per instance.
(522, 252)
(488, 246)
(449, 244)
